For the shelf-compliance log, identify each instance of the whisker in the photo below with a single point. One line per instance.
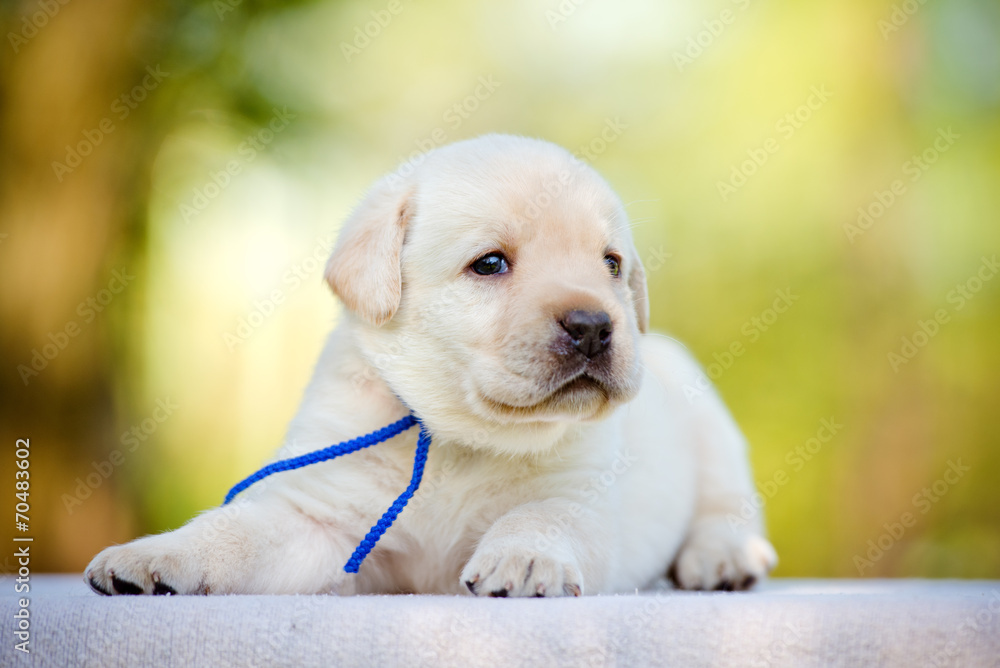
(639, 201)
(636, 223)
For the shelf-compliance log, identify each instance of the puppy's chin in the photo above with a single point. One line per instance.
(582, 398)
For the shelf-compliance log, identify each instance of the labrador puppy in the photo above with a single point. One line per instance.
(494, 292)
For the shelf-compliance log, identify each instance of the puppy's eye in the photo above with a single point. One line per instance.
(614, 265)
(492, 263)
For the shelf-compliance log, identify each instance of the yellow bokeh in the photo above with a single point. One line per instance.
(839, 159)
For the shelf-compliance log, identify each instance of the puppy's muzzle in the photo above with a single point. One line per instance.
(589, 331)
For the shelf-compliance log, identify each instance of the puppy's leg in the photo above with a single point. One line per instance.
(723, 549)
(259, 546)
(545, 548)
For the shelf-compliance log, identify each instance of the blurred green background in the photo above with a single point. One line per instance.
(840, 156)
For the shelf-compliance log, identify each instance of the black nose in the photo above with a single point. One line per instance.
(589, 330)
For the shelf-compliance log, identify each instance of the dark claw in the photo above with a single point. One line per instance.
(725, 585)
(500, 593)
(527, 576)
(748, 582)
(96, 587)
(160, 589)
(471, 585)
(672, 575)
(124, 586)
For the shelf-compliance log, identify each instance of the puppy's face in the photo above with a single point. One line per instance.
(498, 291)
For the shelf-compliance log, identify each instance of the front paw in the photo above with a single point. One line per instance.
(515, 570)
(152, 565)
(714, 557)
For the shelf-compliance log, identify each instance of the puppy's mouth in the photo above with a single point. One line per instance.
(581, 395)
(582, 384)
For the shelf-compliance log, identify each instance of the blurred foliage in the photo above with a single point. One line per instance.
(223, 187)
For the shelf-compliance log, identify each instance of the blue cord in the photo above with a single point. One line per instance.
(366, 545)
(346, 448)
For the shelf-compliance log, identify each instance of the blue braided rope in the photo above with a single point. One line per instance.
(345, 448)
(366, 545)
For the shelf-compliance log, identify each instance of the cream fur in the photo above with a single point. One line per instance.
(535, 485)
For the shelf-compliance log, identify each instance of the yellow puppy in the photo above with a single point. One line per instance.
(495, 293)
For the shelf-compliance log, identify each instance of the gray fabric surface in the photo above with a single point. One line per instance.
(784, 623)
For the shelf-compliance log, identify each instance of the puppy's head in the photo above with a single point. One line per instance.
(496, 291)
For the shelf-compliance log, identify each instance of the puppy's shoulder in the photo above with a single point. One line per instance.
(670, 361)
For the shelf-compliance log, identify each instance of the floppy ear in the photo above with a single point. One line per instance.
(364, 269)
(640, 295)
